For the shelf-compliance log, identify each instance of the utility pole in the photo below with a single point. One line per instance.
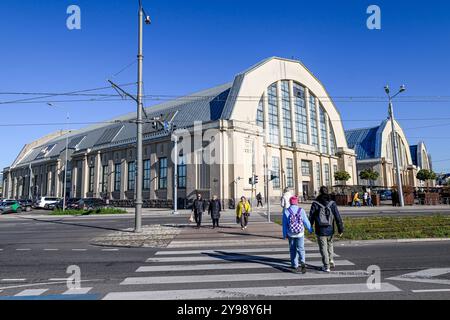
(395, 144)
(66, 161)
(175, 173)
(139, 172)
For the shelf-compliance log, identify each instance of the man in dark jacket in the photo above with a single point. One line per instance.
(323, 231)
(214, 210)
(198, 207)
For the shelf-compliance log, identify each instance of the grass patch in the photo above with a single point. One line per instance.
(87, 212)
(379, 228)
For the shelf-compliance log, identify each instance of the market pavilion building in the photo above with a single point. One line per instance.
(374, 150)
(276, 117)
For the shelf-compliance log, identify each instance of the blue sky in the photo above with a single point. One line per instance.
(196, 44)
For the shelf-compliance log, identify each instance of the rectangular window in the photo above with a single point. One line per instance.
(260, 114)
(273, 114)
(105, 178)
(306, 168)
(131, 175)
(301, 120)
(289, 173)
(327, 174)
(313, 119)
(286, 107)
(147, 167)
(323, 131)
(181, 172)
(117, 176)
(91, 179)
(162, 176)
(276, 172)
(318, 175)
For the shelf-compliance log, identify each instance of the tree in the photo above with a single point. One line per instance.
(370, 175)
(426, 175)
(342, 176)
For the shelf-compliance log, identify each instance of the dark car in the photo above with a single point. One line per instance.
(89, 204)
(26, 204)
(59, 205)
(10, 206)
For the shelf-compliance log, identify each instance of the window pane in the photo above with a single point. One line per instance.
(146, 184)
(313, 118)
(323, 131)
(289, 173)
(273, 113)
(131, 175)
(306, 168)
(181, 172)
(162, 179)
(276, 171)
(260, 114)
(117, 176)
(301, 121)
(286, 106)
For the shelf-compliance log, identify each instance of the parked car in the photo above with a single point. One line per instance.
(10, 206)
(43, 201)
(59, 205)
(386, 195)
(26, 204)
(89, 204)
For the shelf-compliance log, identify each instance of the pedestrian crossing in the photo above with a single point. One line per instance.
(48, 293)
(205, 269)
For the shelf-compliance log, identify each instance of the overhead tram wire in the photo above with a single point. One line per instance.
(51, 95)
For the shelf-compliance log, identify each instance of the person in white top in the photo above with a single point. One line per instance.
(285, 204)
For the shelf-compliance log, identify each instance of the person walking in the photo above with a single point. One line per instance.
(214, 210)
(366, 194)
(243, 209)
(369, 198)
(198, 207)
(294, 223)
(324, 215)
(305, 196)
(356, 200)
(285, 199)
(259, 199)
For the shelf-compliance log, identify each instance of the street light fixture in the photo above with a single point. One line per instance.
(395, 142)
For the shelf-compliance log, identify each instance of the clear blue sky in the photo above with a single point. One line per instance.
(195, 44)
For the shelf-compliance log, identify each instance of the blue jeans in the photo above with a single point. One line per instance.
(297, 251)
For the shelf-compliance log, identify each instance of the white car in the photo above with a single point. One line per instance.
(43, 201)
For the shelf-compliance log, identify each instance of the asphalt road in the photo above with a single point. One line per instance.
(36, 252)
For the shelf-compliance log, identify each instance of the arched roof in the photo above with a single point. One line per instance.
(370, 143)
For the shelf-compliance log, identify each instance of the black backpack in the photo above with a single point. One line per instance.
(326, 217)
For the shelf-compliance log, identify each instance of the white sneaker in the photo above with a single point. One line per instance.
(325, 269)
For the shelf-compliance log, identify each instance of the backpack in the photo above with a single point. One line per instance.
(295, 221)
(325, 215)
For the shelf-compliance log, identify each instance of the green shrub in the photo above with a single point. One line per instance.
(71, 212)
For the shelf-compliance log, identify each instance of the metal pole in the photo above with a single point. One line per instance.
(65, 166)
(396, 162)
(175, 175)
(30, 190)
(139, 172)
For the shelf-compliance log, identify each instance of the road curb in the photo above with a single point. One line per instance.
(388, 241)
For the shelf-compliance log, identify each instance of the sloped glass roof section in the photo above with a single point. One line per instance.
(108, 135)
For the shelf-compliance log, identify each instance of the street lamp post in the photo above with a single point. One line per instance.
(395, 143)
(175, 173)
(66, 156)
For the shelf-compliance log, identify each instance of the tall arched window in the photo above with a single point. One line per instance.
(286, 107)
(301, 121)
(323, 131)
(313, 118)
(332, 139)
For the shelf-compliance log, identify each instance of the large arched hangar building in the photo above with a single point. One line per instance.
(276, 115)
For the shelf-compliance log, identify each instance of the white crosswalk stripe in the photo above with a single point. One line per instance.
(227, 257)
(182, 252)
(249, 292)
(77, 291)
(31, 292)
(231, 266)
